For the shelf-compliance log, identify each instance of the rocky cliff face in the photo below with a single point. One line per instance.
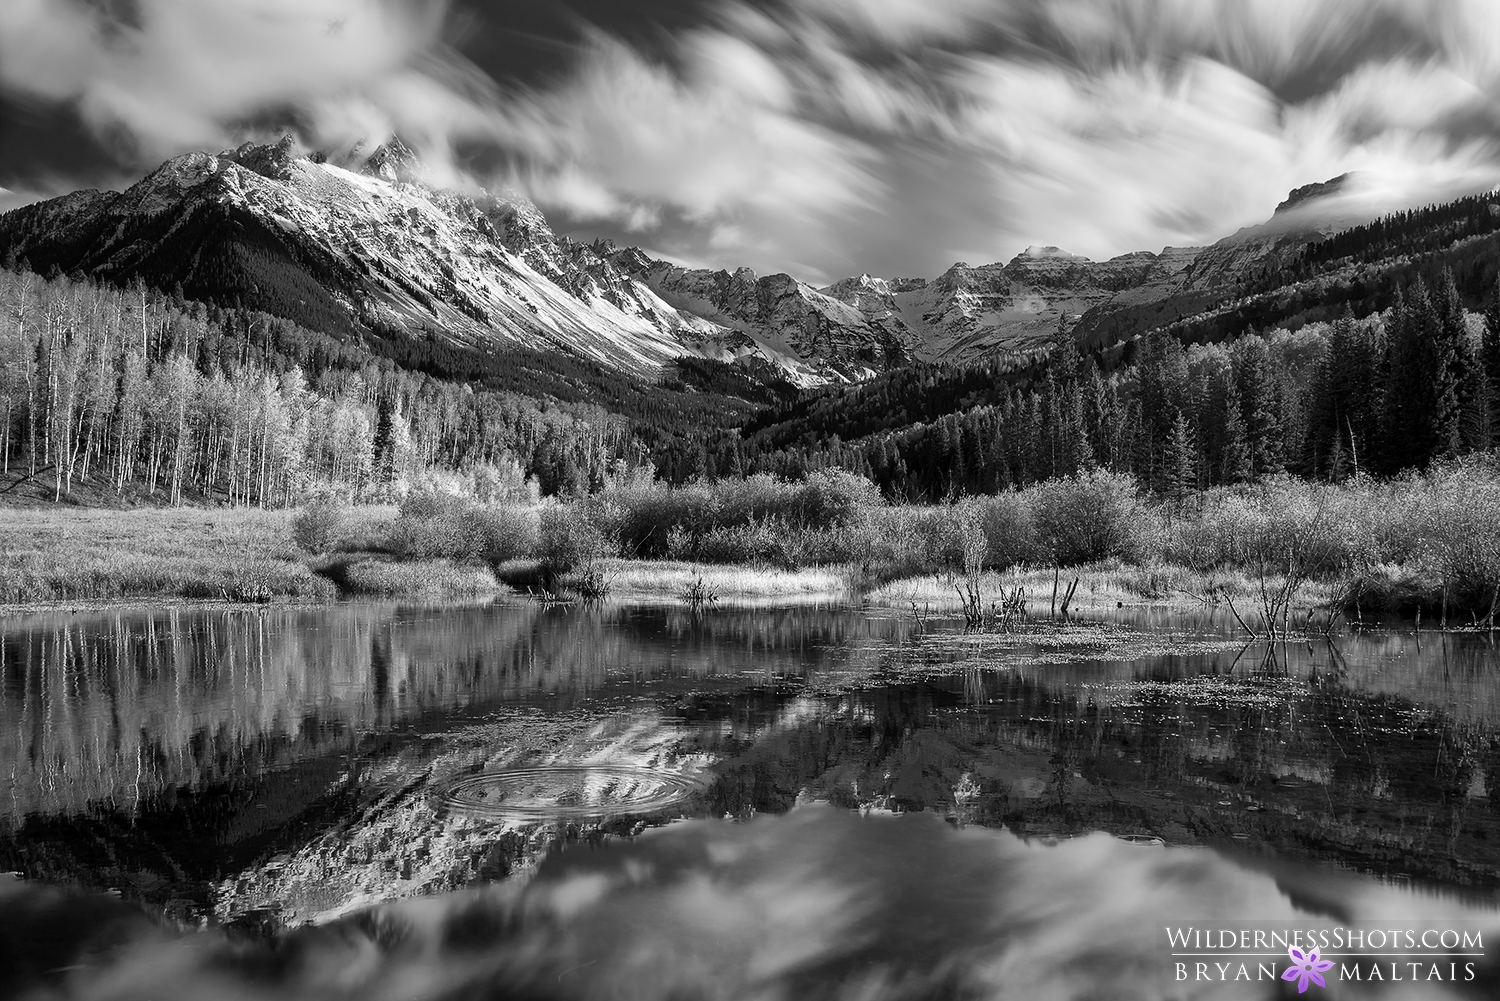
(800, 326)
(971, 311)
(367, 247)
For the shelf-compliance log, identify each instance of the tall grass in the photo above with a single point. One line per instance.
(68, 554)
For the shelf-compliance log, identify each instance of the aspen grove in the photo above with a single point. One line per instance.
(137, 392)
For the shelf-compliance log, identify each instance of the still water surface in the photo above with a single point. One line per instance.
(267, 768)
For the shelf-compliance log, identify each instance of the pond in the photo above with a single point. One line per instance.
(816, 801)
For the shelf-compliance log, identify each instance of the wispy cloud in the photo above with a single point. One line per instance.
(950, 129)
(835, 136)
(154, 78)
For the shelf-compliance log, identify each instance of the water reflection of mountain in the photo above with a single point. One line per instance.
(175, 746)
(117, 706)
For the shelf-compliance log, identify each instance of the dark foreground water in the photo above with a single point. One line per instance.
(873, 811)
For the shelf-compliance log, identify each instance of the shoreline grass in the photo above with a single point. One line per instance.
(672, 579)
(70, 554)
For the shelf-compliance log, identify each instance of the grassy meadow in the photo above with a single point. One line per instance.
(72, 554)
(1419, 546)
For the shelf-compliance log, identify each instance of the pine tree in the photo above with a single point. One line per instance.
(1256, 385)
(384, 439)
(1179, 468)
(1236, 464)
(1490, 356)
(1161, 374)
(1064, 360)
(1403, 384)
(1343, 406)
(1451, 365)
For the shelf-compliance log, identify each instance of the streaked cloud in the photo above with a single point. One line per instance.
(831, 137)
(969, 129)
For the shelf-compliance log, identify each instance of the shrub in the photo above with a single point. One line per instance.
(1455, 530)
(894, 542)
(1089, 517)
(436, 525)
(570, 541)
(654, 521)
(431, 524)
(502, 533)
(729, 544)
(1009, 531)
(1206, 540)
(952, 536)
(768, 541)
(318, 526)
(755, 498)
(834, 497)
(642, 519)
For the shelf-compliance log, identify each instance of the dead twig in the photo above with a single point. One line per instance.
(1235, 612)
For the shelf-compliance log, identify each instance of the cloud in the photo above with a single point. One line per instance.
(181, 73)
(882, 135)
(14, 199)
(722, 145)
(833, 137)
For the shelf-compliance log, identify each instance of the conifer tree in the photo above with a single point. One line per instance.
(1343, 405)
(384, 439)
(1256, 386)
(1451, 364)
(1490, 356)
(1179, 467)
(1402, 385)
(1236, 464)
(1161, 374)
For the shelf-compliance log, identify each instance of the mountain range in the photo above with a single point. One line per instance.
(363, 248)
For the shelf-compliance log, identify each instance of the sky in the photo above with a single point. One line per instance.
(824, 138)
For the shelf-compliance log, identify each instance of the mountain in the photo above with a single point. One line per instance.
(362, 248)
(366, 249)
(969, 312)
(972, 312)
(786, 317)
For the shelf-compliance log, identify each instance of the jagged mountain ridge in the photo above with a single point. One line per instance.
(367, 250)
(361, 246)
(970, 312)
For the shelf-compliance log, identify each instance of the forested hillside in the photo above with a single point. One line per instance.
(1388, 392)
(153, 395)
(1374, 350)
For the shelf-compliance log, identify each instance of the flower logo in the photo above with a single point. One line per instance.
(1305, 967)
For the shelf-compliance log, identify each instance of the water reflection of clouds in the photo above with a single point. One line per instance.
(817, 904)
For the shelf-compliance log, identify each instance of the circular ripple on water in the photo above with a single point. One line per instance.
(549, 792)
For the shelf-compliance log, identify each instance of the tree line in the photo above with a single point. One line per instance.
(138, 392)
(1380, 395)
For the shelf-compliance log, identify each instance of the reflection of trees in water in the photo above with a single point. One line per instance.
(1320, 770)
